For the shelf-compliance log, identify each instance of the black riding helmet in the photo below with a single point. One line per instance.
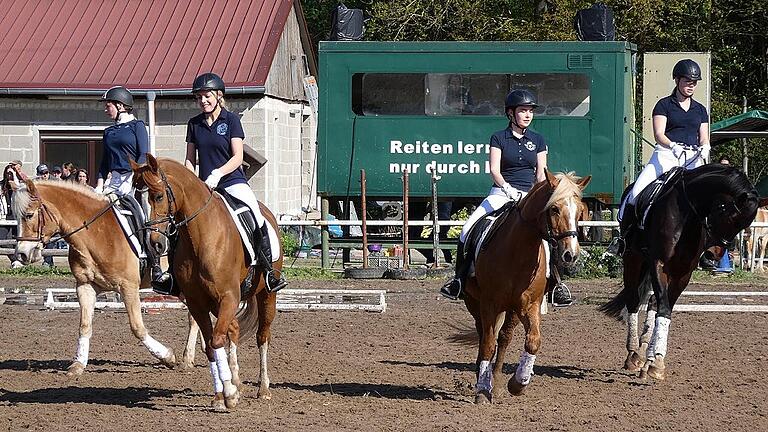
(520, 97)
(207, 82)
(118, 94)
(687, 68)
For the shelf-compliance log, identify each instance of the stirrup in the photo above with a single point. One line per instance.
(564, 298)
(617, 246)
(272, 283)
(452, 289)
(163, 284)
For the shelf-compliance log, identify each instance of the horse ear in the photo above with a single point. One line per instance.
(551, 179)
(584, 182)
(152, 162)
(134, 165)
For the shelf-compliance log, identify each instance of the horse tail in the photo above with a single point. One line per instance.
(465, 336)
(616, 305)
(248, 317)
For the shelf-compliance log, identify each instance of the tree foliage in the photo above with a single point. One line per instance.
(734, 31)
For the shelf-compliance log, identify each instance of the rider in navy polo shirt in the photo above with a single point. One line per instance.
(215, 143)
(681, 130)
(518, 159)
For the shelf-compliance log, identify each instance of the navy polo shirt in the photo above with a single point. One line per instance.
(682, 126)
(518, 156)
(214, 145)
(122, 142)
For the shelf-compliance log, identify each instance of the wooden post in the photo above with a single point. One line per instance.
(364, 218)
(435, 226)
(325, 261)
(405, 219)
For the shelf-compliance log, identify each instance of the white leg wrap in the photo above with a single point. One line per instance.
(524, 370)
(222, 363)
(218, 386)
(633, 341)
(650, 319)
(83, 347)
(156, 348)
(484, 377)
(660, 335)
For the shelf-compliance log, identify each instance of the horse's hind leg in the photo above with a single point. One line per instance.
(633, 273)
(505, 336)
(86, 297)
(133, 307)
(267, 304)
(188, 359)
(234, 341)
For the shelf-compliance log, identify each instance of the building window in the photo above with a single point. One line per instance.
(84, 150)
(558, 94)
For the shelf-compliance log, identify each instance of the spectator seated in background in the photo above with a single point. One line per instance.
(42, 172)
(68, 171)
(56, 173)
(81, 177)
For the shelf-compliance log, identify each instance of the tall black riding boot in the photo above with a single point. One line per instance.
(162, 282)
(452, 289)
(626, 225)
(274, 279)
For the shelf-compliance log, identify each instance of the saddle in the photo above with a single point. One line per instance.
(131, 218)
(481, 233)
(245, 222)
(655, 191)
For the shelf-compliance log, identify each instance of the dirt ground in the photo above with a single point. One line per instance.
(392, 371)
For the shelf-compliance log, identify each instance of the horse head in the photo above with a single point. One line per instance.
(558, 217)
(36, 223)
(163, 203)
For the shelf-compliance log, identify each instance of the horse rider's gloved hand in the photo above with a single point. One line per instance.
(213, 180)
(705, 152)
(113, 197)
(511, 192)
(677, 149)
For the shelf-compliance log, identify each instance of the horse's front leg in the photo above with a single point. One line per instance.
(203, 319)
(485, 352)
(86, 297)
(511, 320)
(531, 319)
(133, 307)
(657, 348)
(219, 340)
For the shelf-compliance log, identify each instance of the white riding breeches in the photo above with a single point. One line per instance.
(662, 160)
(119, 183)
(495, 200)
(244, 193)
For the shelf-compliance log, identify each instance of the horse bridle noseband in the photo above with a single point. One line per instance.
(41, 218)
(722, 207)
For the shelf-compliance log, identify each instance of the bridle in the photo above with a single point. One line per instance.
(169, 217)
(44, 213)
(720, 208)
(549, 235)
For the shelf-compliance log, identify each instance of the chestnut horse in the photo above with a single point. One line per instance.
(208, 264)
(511, 275)
(99, 255)
(708, 206)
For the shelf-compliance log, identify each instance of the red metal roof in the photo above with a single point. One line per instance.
(141, 44)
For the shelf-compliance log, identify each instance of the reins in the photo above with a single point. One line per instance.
(169, 217)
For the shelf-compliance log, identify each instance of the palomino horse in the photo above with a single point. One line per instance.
(510, 277)
(708, 206)
(209, 265)
(99, 255)
(758, 236)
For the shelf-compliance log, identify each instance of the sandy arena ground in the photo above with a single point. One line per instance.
(393, 371)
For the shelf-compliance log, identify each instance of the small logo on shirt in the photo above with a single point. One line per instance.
(530, 146)
(222, 129)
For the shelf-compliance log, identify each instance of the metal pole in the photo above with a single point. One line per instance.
(325, 261)
(405, 219)
(151, 121)
(744, 141)
(364, 218)
(435, 226)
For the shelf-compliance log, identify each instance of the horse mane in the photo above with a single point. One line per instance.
(566, 188)
(720, 176)
(21, 197)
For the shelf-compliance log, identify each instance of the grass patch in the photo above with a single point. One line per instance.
(310, 273)
(37, 271)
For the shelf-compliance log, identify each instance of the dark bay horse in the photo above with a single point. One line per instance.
(709, 206)
(511, 275)
(209, 265)
(99, 254)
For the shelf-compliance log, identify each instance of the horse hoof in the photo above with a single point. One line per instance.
(657, 373)
(218, 404)
(634, 362)
(231, 401)
(483, 397)
(185, 365)
(170, 360)
(75, 369)
(515, 388)
(265, 394)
